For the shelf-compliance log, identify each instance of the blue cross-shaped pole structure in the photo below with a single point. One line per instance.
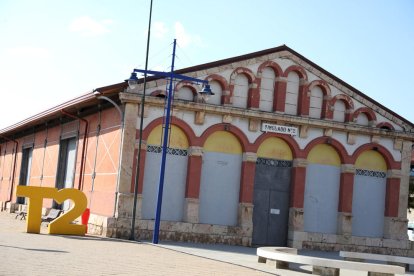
(171, 75)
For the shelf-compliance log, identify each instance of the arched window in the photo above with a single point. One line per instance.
(218, 92)
(316, 101)
(185, 93)
(267, 89)
(292, 92)
(339, 111)
(241, 91)
(362, 119)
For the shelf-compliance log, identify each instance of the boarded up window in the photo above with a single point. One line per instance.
(339, 111)
(185, 93)
(267, 88)
(292, 92)
(362, 119)
(218, 92)
(316, 100)
(241, 89)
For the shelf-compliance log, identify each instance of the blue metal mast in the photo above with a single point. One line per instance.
(133, 80)
(164, 151)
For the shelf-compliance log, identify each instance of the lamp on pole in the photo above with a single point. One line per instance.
(205, 93)
(99, 96)
(132, 82)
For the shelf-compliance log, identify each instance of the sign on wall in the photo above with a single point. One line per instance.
(293, 131)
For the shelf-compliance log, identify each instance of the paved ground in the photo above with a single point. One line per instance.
(41, 254)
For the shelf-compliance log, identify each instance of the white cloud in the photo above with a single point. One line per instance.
(87, 26)
(184, 39)
(159, 29)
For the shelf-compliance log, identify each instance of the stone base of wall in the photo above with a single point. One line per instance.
(170, 231)
(8, 206)
(331, 242)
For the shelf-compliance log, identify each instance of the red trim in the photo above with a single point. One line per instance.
(298, 70)
(294, 147)
(194, 168)
(270, 64)
(192, 139)
(346, 190)
(157, 93)
(385, 125)
(248, 171)
(340, 149)
(392, 197)
(389, 160)
(225, 99)
(246, 145)
(349, 104)
(367, 111)
(279, 97)
(253, 95)
(188, 84)
(297, 190)
(326, 95)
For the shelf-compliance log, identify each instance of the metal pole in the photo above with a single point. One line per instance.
(164, 153)
(134, 210)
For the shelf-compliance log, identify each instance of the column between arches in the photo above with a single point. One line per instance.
(345, 199)
(192, 191)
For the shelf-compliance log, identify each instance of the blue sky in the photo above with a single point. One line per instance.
(54, 50)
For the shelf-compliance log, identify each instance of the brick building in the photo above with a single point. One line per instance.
(284, 153)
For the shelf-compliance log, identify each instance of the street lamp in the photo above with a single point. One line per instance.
(205, 93)
(99, 96)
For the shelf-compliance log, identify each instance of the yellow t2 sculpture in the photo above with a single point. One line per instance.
(63, 224)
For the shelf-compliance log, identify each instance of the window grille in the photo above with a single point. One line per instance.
(370, 173)
(171, 151)
(274, 162)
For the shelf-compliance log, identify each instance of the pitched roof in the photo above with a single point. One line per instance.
(89, 98)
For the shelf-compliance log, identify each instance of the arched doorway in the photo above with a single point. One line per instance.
(368, 200)
(322, 190)
(220, 179)
(175, 175)
(271, 193)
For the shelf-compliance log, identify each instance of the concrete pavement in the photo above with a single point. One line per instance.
(42, 254)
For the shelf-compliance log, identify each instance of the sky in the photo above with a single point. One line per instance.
(54, 50)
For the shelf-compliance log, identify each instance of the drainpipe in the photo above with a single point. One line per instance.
(85, 139)
(14, 166)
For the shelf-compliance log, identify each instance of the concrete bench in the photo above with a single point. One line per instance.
(321, 266)
(394, 260)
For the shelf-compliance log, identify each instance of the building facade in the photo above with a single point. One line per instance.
(283, 154)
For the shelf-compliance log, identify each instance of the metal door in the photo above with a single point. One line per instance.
(271, 202)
